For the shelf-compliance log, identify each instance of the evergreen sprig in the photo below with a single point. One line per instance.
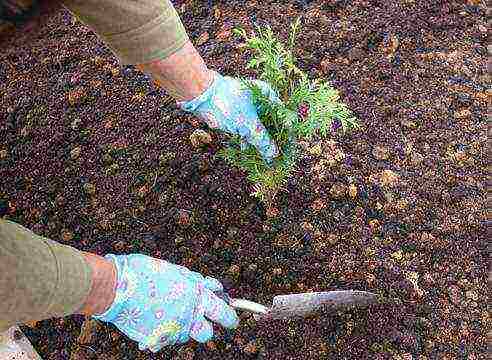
(307, 108)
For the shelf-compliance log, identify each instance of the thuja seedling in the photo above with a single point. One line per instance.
(307, 108)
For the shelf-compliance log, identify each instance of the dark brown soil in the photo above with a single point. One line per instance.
(95, 156)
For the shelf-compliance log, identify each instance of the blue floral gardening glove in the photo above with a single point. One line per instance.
(228, 106)
(158, 303)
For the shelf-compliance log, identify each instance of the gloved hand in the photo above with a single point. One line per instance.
(158, 303)
(227, 106)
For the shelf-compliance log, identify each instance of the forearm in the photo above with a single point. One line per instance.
(148, 34)
(103, 285)
(184, 74)
(136, 31)
(41, 279)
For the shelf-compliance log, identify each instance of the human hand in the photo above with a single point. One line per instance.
(227, 106)
(158, 303)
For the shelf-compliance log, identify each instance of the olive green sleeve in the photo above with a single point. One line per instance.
(137, 31)
(39, 278)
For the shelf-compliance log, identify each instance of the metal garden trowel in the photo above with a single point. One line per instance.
(303, 304)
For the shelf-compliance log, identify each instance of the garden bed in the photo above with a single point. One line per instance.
(95, 156)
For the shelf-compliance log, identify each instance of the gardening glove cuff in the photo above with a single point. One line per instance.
(229, 106)
(158, 303)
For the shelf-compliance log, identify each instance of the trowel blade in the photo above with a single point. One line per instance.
(305, 304)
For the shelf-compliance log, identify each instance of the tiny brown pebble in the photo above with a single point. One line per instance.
(380, 152)
(211, 345)
(251, 348)
(277, 271)
(179, 240)
(427, 237)
(389, 178)
(223, 34)
(89, 188)
(202, 39)
(252, 267)
(239, 340)
(460, 156)
(272, 212)
(463, 113)
(31, 324)
(120, 246)
(352, 190)
(326, 65)
(76, 96)
(200, 137)
(66, 235)
(318, 205)
(374, 224)
(307, 226)
(234, 269)
(183, 217)
(409, 124)
(472, 295)
(3, 154)
(332, 239)
(75, 124)
(113, 169)
(389, 49)
(455, 295)
(416, 159)
(338, 190)
(75, 152)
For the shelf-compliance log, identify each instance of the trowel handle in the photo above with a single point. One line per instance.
(242, 304)
(249, 306)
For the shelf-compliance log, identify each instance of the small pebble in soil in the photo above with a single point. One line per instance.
(202, 39)
(352, 191)
(251, 347)
(472, 295)
(113, 169)
(76, 96)
(318, 205)
(3, 154)
(461, 114)
(409, 124)
(183, 217)
(455, 295)
(75, 124)
(388, 178)
(200, 137)
(397, 255)
(272, 212)
(332, 238)
(66, 235)
(416, 159)
(75, 152)
(90, 188)
(374, 225)
(234, 270)
(338, 190)
(315, 150)
(380, 152)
